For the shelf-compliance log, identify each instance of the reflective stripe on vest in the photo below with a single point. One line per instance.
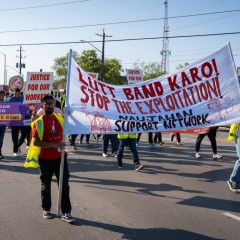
(125, 136)
(34, 151)
(63, 99)
(232, 132)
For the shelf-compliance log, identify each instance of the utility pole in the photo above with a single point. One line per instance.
(20, 65)
(165, 48)
(103, 47)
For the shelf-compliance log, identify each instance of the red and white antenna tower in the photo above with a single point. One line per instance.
(165, 51)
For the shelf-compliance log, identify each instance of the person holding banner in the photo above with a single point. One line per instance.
(16, 129)
(130, 140)
(114, 144)
(87, 138)
(150, 139)
(2, 128)
(49, 128)
(178, 137)
(234, 180)
(211, 133)
(158, 138)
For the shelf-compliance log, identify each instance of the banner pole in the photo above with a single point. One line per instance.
(64, 140)
(61, 179)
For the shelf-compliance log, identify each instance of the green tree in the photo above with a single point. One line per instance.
(150, 70)
(89, 62)
(182, 66)
(112, 70)
(61, 65)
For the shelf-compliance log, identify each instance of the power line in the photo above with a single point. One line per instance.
(114, 23)
(41, 6)
(119, 40)
(204, 14)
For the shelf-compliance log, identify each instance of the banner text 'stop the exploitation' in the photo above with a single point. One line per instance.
(202, 94)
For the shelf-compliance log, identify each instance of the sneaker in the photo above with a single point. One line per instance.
(198, 155)
(138, 167)
(114, 154)
(87, 143)
(178, 143)
(151, 146)
(27, 147)
(119, 165)
(74, 147)
(15, 154)
(233, 186)
(161, 143)
(47, 215)
(127, 148)
(67, 217)
(1, 157)
(216, 156)
(104, 155)
(19, 151)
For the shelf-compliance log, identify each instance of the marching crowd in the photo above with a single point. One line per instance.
(45, 143)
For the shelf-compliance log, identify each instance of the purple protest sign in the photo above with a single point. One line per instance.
(15, 114)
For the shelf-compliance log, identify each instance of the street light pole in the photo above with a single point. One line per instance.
(91, 45)
(14, 69)
(5, 69)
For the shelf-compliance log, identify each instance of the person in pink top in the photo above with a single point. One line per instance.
(36, 114)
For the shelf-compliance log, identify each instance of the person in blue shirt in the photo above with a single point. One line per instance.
(17, 96)
(2, 128)
(17, 142)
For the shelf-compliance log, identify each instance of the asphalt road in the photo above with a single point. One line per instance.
(176, 196)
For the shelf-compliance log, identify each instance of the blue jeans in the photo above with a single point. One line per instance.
(131, 142)
(2, 133)
(235, 176)
(114, 142)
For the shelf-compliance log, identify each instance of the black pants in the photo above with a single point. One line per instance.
(15, 134)
(2, 133)
(47, 169)
(28, 134)
(87, 138)
(212, 138)
(158, 137)
(73, 139)
(150, 137)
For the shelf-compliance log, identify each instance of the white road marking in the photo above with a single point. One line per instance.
(231, 216)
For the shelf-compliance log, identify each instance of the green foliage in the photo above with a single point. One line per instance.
(61, 65)
(150, 70)
(112, 69)
(182, 66)
(89, 61)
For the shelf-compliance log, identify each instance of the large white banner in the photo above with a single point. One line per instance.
(202, 94)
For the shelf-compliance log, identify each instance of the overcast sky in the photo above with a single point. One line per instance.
(20, 19)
